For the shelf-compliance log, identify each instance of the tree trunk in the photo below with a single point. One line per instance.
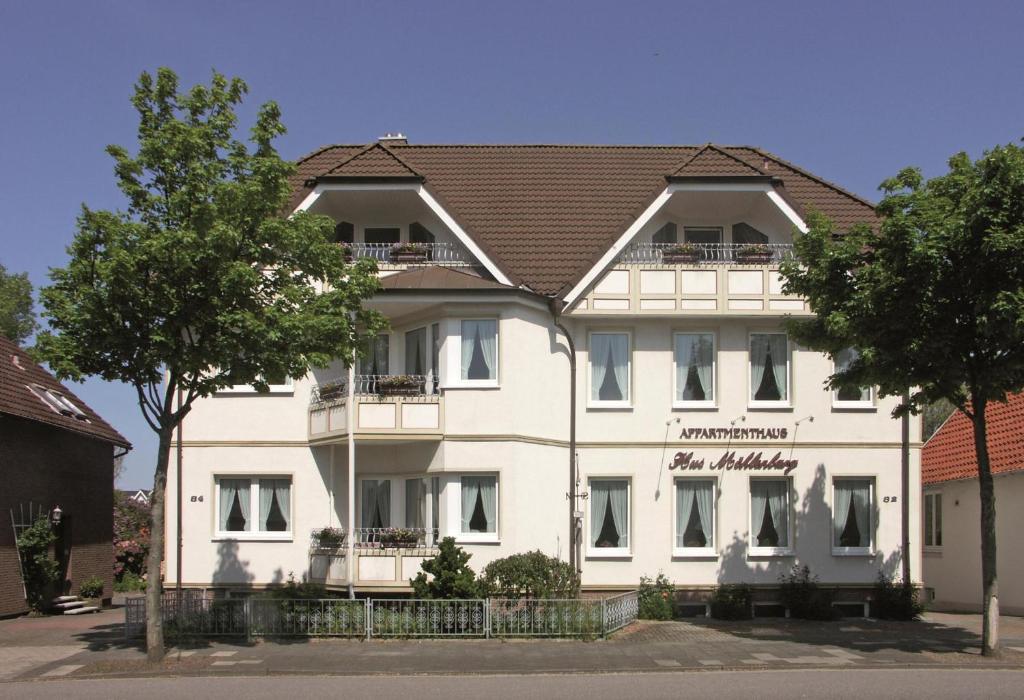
(986, 490)
(154, 561)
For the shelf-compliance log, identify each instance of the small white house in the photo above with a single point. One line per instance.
(706, 446)
(952, 510)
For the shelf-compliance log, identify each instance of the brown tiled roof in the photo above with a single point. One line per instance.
(712, 161)
(546, 213)
(373, 161)
(949, 453)
(439, 278)
(18, 372)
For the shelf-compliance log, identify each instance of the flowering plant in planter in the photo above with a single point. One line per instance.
(398, 537)
(681, 252)
(332, 391)
(399, 385)
(346, 251)
(408, 252)
(755, 252)
(329, 538)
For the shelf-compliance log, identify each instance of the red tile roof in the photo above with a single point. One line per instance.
(949, 453)
(373, 161)
(439, 278)
(18, 373)
(547, 213)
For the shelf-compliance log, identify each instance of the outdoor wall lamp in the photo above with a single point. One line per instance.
(55, 515)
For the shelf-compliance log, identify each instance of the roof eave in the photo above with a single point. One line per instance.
(724, 179)
(366, 179)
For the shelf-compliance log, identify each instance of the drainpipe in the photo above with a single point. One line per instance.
(178, 489)
(556, 306)
(350, 410)
(905, 479)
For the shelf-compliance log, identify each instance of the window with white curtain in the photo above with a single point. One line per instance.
(376, 360)
(479, 505)
(769, 516)
(479, 350)
(933, 520)
(416, 352)
(769, 369)
(694, 369)
(609, 358)
(258, 507)
(849, 396)
(416, 503)
(609, 517)
(852, 519)
(695, 516)
(375, 503)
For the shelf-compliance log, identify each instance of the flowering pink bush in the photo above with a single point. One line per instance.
(131, 536)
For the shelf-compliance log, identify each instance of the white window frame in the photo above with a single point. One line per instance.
(594, 552)
(477, 537)
(254, 509)
(452, 344)
(838, 551)
(751, 389)
(709, 552)
(706, 404)
(597, 403)
(863, 404)
(936, 521)
(754, 550)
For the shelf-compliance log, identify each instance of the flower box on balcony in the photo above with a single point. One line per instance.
(398, 537)
(754, 254)
(408, 253)
(401, 385)
(683, 253)
(346, 251)
(331, 538)
(332, 391)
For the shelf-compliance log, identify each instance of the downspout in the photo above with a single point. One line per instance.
(177, 488)
(350, 410)
(556, 306)
(905, 483)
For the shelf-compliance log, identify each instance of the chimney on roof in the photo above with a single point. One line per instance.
(396, 139)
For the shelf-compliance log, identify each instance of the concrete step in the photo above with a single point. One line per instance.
(70, 605)
(82, 611)
(64, 599)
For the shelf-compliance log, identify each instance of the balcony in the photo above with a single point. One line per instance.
(384, 557)
(700, 279)
(401, 256)
(397, 408)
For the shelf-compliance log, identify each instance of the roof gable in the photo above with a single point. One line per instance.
(712, 161)
(374, 161)
(949, 453)
(22, 387)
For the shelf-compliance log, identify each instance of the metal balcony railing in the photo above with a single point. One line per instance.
(408, 386)
(643, 253)
(395, 537)
(449, 254)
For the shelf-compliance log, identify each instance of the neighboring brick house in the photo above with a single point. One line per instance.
(952, 509)
(54, 451)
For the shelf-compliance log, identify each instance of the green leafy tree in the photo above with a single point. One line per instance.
(17, 319)
(933, 299)
(452, 576)
(200, 283)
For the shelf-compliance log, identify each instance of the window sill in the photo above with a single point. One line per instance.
(694, 406)
(769, 406)
(770, 552)
(477, 538)
(933, 551)
(694, 553)
(275, 390)
(853, 552)
(610, 405)
(252, 537)
(852, 406)
(609, 553)
(472, 385)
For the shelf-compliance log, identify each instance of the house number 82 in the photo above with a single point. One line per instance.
(887, 499)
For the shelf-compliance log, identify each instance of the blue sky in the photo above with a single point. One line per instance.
(852, 91)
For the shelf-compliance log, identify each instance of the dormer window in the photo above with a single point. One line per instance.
(703, 234)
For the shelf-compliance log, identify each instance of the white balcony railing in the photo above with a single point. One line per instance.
(395, 538)
(448, 254)
(643, 253)
(408, 386)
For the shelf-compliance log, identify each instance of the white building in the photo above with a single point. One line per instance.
(707, 447)
(952, 510)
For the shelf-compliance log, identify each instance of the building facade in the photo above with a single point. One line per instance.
(951, 510)
(706, 446)
(55, 452)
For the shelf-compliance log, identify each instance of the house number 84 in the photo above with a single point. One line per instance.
(199, 499)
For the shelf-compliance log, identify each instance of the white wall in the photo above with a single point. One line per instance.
(954, 569)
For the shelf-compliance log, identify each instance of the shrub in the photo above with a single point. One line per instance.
(803, 596)
(130, 583)
(39, 570)
(131, 536)
(91, 588)
(530, 575)
(296, 590)
(655, 598)
(452, 576)
(895, 601)
(732, 601)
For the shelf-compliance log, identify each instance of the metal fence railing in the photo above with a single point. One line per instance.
(642, 253)
(418, 387)
(392, 617)
(395, 538)
(449, 254)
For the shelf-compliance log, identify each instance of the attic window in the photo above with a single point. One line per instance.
(58, 402)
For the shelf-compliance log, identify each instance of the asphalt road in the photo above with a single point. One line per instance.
(860, 684)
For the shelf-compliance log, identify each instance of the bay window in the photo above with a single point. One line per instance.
(254, 507)
(769, 516)
(695, 517)
(479, 350)
(856, 397)
(933, 520)
(479, 507)
(769, 369)
(609, 358)
(694, 369)
(852, 521)
(609, 517)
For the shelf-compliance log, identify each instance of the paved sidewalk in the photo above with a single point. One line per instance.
(51, 648)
